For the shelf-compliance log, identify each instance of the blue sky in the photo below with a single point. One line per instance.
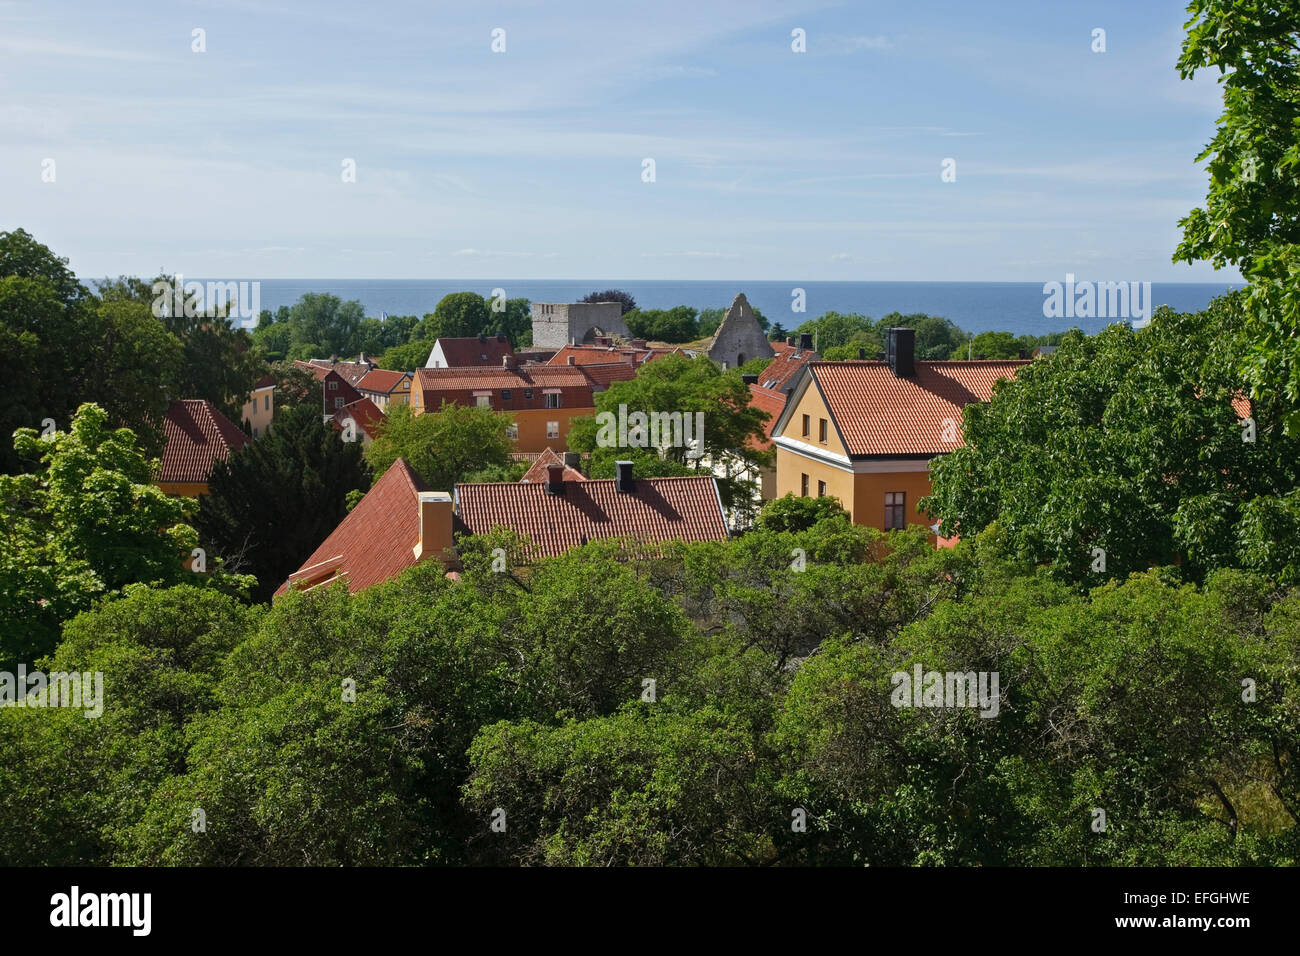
(769, 164)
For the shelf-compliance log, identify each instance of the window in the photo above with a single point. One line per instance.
(528, 394)
(483, 401)
(894, 501)
(338, 402)
(267, 406)
(334, 386)
(505, 394)
(821, 430)
(512, 432)
(552, 401)
(807, 426)
(803, 486)
(821, 489)
(552, 429)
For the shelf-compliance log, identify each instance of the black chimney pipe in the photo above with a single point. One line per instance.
(625, 483)
(900, 349)
(862, 354)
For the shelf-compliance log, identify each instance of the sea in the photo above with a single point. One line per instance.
(1016, 307)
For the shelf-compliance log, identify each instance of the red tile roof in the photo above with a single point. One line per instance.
(468, 352)
(380, 380)
(772, 402)
(879, 414)
(363, 411)
(607, 354)
(782, 372)
(266, 381)
(325, 375)
(198, 436)
(602, 376)
(375, 541)
(539, 473)
(458, 385)
(660, 509)
(351, 372)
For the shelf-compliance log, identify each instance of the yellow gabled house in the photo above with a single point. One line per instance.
(865, 432)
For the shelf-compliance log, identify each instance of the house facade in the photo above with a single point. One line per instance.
(865, 432)
(543, 400)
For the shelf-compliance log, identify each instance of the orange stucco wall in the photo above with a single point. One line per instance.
(532, 427)
(183, 489)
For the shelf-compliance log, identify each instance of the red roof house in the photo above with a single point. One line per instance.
(198, 436)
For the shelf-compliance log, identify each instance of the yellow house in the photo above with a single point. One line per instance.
(865, 432)
(259, 410)
(198, 436)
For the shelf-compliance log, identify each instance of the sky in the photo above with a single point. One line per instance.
(530, 163)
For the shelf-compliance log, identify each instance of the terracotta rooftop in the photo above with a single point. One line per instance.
(607, 354)
(770, 401)
(460, 385)
(660, 509)
(784, 369)
(880, 414)
(198, 436)
(380, 380)
(363, 411)
(351, 372)
(467, 352)
(602, 376)
(539, 473)
(375, 541)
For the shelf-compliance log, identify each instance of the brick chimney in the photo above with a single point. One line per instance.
(790, 341)
(482, 337)
(435, 526)
(638, 343)
(624, 481)
(805, 341)
(573, 460)
(501, 337)
(555, 479)
(900, 349)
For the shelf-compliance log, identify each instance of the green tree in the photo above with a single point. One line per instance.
(73, 791)
(790, 513)
(673, 384)
(1127, 442)
(270, 504)
(458, 315)
(83, 525)
(444, 446)
(1250, 212)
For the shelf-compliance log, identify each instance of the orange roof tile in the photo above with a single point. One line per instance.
(783, 370)
(770, 401)
(458, 386)
(469, 351)
(363, 411)
(539, 470)
(198, 436)
(879, 414)
(375, 541)
(380, 380)
(660, 509)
